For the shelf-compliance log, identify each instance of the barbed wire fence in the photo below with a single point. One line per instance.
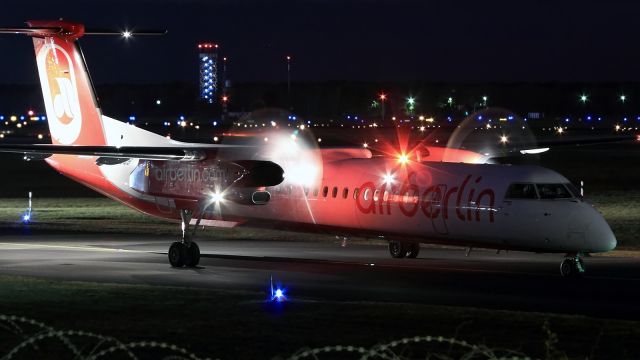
(35, 338)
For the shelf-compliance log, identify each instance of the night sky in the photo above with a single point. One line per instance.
(451, 41)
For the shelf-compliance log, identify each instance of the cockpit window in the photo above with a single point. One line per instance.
(521, 191)
(553, 191)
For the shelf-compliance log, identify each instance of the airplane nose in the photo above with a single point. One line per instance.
(600, 238)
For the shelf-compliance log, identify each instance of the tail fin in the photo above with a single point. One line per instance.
(73, 113)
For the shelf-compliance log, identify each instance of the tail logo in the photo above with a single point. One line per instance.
(60, 92)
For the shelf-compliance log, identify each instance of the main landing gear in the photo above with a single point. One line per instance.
(186, 252)
(572, 266)
(401, 249)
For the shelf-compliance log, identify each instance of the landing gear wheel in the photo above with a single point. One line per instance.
(413, 249)
(572, 267)
(397, 249)
(177, 254)
(193, 255)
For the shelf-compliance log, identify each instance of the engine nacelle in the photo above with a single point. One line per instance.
(240, 181)
(247, 196)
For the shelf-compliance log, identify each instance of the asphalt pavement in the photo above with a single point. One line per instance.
(338, 271)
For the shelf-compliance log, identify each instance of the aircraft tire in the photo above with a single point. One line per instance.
(397, 249)
(572, 267)
(193, 255)
(177, 254)
(413, 249)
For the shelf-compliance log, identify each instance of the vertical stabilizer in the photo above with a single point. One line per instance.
(72, 110)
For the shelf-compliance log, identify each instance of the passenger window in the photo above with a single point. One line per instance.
(306, 191)
(345, 193)
(325, 191)
(367, 191)
(356, 192)
(376, 194)
(385, 196)
(315, 192)
(553, 191)
(521, 191)
(334, 192)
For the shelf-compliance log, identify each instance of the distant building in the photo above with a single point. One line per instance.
(208, 66)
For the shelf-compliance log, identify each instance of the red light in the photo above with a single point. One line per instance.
(199, 46)
(225, 98)
(383, 97)
(30, 112)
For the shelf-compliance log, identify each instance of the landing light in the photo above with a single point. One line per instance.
(216, 197)
(503, 139)
(388, 179)
(403, 159)
(126, 34)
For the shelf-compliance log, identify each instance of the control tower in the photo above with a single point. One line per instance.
(208, 65)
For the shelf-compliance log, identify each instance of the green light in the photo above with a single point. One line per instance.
(450, 100)
(411, 100)
(584, 98)
(623, 98)
(485, 98)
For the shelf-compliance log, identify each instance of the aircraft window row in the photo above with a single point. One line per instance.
(409, 197)
(541, 191)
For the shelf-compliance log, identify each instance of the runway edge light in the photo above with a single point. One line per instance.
(277, 293)
(26, 216)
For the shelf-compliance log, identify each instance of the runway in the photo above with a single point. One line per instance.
(337, 272)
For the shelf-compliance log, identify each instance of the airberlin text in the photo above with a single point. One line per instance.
(465, 201)
(188, 174)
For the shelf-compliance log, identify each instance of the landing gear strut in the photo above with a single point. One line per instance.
(572, 266)
(400, 249)
(186, 252)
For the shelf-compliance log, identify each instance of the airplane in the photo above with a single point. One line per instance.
(434, 195)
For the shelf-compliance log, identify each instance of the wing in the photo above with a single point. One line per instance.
(115, 153)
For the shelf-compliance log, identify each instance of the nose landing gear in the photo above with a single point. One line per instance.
(400, 249)
(572, 266)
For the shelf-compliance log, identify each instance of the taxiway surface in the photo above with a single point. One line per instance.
(337, 272)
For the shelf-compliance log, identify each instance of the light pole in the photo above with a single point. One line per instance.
(382, 98)
(288, 74)
(289, 80)
(411, 102)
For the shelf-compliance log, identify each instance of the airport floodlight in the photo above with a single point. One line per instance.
(584, 98)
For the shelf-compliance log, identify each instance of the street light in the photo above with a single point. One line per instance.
(289, 74)
(382, 98)
(411, 102)
(584, 98)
